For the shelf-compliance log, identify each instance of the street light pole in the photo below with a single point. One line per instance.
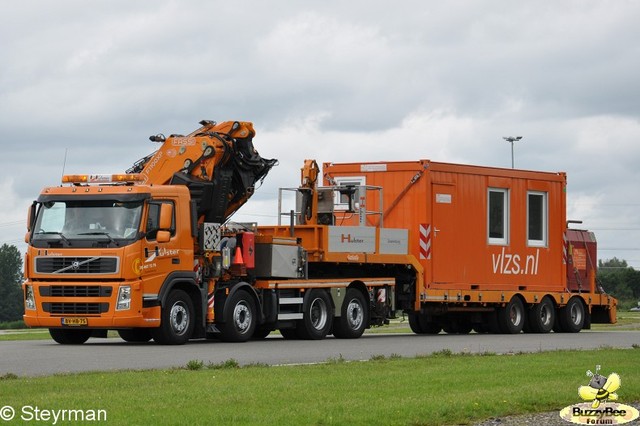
(511, 140)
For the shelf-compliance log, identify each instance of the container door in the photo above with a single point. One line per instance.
(444, 233)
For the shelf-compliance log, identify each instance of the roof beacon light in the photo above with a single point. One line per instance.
(119, 178)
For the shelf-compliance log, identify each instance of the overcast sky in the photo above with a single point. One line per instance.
(331, 80)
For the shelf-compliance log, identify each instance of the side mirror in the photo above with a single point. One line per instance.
(166, 216)
(31, 215)
(163, 236)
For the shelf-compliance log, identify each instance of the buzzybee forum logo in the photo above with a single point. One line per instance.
(600, 407)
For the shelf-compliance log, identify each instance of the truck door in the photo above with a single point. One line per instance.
(158, 259)
(444, 233)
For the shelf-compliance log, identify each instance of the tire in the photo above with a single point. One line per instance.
(239, 318)
(176, 320)
(420, 325)
(511, 318)
(458, 327)
(66, 336)
(572, 317)
(317, 317)
(135, 335)
(542, 316)
(354, 317)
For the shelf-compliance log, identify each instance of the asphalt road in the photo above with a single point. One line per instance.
(45, 357)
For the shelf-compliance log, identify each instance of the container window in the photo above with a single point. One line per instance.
(341, 199)
(498, 216)
(537, 219)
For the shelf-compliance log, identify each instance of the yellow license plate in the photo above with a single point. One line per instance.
(75, 322)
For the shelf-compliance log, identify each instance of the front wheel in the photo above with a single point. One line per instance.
(135, 335)
(239, 318)
(176, 320)
(66, 336)
(354, 316)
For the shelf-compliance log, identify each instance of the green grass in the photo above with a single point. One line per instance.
(438, 389)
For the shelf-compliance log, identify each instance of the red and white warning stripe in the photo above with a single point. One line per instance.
(425, 241)
(564, 249)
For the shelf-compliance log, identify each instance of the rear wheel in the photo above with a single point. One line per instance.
(420, 325)
(69, 336)
(317, 316)
(176, 321)
(239, 318)
(135, 335)
(542, 316)
(511, 318)
(572, 316)
(354, 314)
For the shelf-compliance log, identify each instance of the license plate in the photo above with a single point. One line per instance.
(75, 322)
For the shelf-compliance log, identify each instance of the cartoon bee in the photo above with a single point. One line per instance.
(600, 388)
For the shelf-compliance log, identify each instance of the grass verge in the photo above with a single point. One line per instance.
(442, 388)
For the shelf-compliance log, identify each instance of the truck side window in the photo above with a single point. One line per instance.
(153, 220)
(498, 216)
(537, 218)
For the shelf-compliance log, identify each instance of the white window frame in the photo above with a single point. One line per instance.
(342, 181)
(504, 240)
(544, 217)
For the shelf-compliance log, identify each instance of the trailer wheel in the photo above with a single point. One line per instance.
(240, 318)
(542, 316)
(176, 320)
(354, 316)
(68, 336)
(511, 318)
(135, 335)
(572, 316)
(420, 325)
(317, 316)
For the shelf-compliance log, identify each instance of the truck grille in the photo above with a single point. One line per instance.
(75, 291)
(76, 265)
(75, 308)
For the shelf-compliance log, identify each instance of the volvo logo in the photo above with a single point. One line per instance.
(75, 265)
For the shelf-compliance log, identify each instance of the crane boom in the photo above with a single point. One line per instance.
(217, 162)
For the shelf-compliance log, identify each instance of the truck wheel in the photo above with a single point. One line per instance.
(420, 325)
(511, 318)
(572, 316)
(135, 335)
(69, 337)
(354, 316)
(317, 316)
(239, 318)
(542, 316)
(176, 320)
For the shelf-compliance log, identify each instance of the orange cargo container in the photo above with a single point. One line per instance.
(483, 235)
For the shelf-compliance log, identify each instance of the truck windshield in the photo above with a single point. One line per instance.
(79, 224)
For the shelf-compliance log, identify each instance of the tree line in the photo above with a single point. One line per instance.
(620, 280)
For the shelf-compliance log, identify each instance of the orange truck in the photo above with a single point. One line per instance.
(152, 253)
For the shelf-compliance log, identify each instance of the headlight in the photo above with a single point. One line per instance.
(29, 299)
(124, 298)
